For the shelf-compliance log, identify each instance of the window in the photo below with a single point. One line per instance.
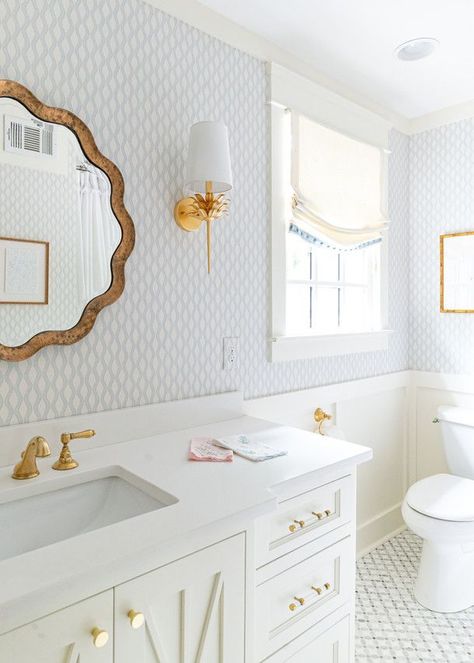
(329, 234)
(331, 291)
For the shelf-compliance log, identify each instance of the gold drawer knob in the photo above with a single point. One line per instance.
(318, 590)
(293, 606)
(318, 514)
(137, 619)
(328, 512)
(327, 585)
(99, 637)
(293, 527)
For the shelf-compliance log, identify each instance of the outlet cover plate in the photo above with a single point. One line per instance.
(231, 348)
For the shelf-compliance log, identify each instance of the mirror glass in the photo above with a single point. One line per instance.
(58, 232)
(457, 273)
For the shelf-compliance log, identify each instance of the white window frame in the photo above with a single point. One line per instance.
(290, 90)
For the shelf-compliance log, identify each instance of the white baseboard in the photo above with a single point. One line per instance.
(377, 530)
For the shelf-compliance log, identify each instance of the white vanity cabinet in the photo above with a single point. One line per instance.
(193, 609)
(190, 610)
(249, 563)
(65, 636)
(305, 572)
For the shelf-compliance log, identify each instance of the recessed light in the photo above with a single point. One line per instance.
(416, 49)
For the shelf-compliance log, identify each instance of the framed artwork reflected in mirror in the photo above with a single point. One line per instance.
(24, 271)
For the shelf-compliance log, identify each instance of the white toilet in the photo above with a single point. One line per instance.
(440, 509)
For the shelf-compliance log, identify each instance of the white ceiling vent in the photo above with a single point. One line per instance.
(29, 136)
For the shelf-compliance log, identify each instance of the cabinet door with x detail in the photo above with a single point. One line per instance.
(189, 611)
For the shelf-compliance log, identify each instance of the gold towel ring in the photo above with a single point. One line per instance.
(320, 416)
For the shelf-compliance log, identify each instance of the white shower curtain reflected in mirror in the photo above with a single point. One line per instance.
(100, 232)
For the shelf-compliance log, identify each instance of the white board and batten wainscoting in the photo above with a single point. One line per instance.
(393, 414)
(374, 412)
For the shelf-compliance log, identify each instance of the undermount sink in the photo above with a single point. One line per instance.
(81, 504)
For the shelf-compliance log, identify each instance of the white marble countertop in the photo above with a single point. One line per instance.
(45, 579)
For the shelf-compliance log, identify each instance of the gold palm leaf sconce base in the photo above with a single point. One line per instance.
(191, 212)
(208, 169)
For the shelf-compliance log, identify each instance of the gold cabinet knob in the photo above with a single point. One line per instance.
(295, 524)
(327, 585)
(293, 606)
(327, 512)
(318, 514)
(137, 619)
(318, 590)
(99, 637)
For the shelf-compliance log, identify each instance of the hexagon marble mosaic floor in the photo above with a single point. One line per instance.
(391, 625)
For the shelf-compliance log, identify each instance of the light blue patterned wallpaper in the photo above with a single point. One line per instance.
(441, 201)
(139, 79)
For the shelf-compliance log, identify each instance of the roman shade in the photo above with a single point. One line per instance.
(337, 185)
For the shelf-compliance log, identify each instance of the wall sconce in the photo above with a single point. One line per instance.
(208, 172)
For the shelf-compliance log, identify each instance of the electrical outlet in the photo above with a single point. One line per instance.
(230, 352)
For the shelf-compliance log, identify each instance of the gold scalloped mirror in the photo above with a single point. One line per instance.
(65, 234)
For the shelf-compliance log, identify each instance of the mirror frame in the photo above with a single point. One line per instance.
(86, 140)
(442, 239)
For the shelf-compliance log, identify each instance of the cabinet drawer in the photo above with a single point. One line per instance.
(303, 518)
(330, 646)
(296, 599)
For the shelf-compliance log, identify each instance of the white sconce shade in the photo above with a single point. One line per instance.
(208, 158)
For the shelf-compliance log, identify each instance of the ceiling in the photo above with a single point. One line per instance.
(353, 43)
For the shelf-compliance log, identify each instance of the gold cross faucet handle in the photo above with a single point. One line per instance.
(65, 460)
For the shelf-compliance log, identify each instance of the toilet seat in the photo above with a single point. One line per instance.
(444, 497)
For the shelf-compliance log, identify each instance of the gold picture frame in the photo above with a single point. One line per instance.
(442, 252)
(45, 298)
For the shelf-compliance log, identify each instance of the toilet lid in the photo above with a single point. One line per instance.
(443, 496)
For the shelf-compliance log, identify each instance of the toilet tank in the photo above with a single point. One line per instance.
(457, 427)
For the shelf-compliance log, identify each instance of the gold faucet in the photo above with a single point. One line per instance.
(26, 468)
(65, 460)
